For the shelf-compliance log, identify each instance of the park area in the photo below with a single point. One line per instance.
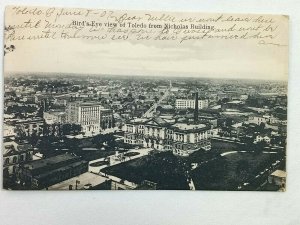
(90, 148)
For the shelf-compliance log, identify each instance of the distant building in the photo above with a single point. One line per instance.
(243, 97)
(258, 119)
(28, 127)
(90, 115)
(211, 119)
(266, 119)
(190, 103)
(8, 131)
(103, 94)
(235, 104)
(61, 100)
(43, 173)
(181, 138)
(54, 116)
(260, 138)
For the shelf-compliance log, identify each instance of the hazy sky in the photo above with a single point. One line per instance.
(205, 58)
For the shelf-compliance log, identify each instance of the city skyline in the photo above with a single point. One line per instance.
(11, 74)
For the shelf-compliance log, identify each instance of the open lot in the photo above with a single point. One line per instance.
(165, 169)
(233, 170)
(218, 146)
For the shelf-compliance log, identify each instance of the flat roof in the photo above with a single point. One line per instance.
(50, 161)
(85, 178)
(235, 102)
(29, 120)
(90, 104)
(45, 174)
(184, 127)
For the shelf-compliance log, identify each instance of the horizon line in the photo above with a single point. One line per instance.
(148, 76)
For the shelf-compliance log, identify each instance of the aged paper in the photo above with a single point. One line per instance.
(107, 99)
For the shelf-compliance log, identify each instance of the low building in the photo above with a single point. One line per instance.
(28, 127)
(260, 138)
(211, 119)
(243, 97)
(43, 173)
(54, 116)
(8, 131)
(278, 178)
(258, 119)
(235, 104)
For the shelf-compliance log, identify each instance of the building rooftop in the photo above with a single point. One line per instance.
(85, 179)
(63, 168)
(90, 104)
(189, 127)
(33, 120)
(50, 161)
(56, 112)
(235, 102)
(11, 148)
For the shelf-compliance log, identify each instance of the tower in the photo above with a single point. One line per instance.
(196, 110)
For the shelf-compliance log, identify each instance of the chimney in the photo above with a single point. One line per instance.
(196, 110)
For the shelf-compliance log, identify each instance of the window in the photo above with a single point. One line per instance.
(6, 161)
(14, 169)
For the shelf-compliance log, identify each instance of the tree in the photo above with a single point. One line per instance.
(142, 97)
(242, 170)
(261, 127)
(33, 139)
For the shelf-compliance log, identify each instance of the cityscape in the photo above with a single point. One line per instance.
(110, 132)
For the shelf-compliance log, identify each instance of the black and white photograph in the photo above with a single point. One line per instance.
(99, 99)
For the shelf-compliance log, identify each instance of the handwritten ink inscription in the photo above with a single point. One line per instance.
(32, 23)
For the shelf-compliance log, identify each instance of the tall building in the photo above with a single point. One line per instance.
(190, 103)
(90, 115)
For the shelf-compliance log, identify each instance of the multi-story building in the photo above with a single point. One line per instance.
(8, 131)
(90, 115)
(266, 119)
(14, 154)
(26, 127)
(190, 103)
(181, 138)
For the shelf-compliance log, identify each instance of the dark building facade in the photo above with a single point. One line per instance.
(43, 173)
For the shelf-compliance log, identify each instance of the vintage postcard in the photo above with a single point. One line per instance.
(101, 99)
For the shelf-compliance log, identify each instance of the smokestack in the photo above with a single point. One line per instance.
(196, 111)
